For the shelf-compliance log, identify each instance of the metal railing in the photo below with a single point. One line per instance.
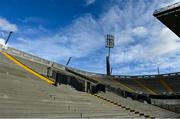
(36, 59)
(30, 57)
(167, 8)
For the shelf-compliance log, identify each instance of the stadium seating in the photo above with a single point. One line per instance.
(147, 85)
(152, 110)
(169, 16)
(24, 95)
(154, 84)
(174, 83)
(40, 68)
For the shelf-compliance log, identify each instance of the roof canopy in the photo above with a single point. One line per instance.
(170, 16)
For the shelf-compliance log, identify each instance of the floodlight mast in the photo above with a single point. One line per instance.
(109, 44)
(158, 70)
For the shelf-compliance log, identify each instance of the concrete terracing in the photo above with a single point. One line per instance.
(24, 95)
(147, 109)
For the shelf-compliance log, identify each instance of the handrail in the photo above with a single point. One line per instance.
(34, 58)
(167, 8)
(27, 68)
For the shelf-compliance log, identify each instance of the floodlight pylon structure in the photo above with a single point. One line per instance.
(158, 70)
(109, 43)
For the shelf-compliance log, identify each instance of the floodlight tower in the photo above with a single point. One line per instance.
(109, 43)
(158, 70)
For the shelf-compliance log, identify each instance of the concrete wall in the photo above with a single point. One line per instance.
(169, 104)
(87, 73)
(33, 58)
(36, 59)
(165, 101)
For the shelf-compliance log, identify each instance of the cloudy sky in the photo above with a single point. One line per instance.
(59, 29)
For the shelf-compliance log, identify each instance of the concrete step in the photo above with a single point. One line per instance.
(141, 107)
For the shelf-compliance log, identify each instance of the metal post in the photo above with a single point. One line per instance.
(108, 66)
(68, 61)
(109, 52)
(158, 70)
(109, 44)
(109, 63)
(8, 37)
(111, 70)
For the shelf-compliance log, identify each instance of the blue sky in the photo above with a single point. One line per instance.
(59, 29)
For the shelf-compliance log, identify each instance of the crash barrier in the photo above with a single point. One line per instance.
(123, 93)
(84, 74)
(61, 78)
(80, 74)
(49, 63)
(94, 88)
(26, 67)
(167, 75)
(167, 8)
(81, 84)
(32, 58)
(139, 96)
(169, 104)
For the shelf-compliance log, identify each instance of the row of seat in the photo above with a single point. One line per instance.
(147, 109)
(148, 86)
(24, 95)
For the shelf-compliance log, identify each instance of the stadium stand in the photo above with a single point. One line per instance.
(24, 95)
(134, 105)
(174, 83)
(170, 16)
(151, 84)
(41, 91)
(148, 85)
(35, 87)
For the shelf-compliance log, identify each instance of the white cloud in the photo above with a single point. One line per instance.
(89, 2)
(140, 31)
(167, 3)
(141, 41)
(7, 26)
(167, 42)
(2, 41)
(77, 40)
(156, 45)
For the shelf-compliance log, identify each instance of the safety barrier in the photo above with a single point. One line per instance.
(87, 73)
(127, 77)
(27, 68)
(167, 8)
(169, 104)
(32, 58)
